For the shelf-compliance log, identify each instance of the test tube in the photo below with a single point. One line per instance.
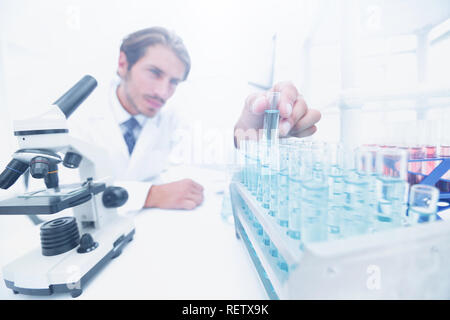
(366, 156)
(392, 187)
(283, 185)
(314, 202)
(444, 184)
(274, 191)
(423, 201)
(415, 168)
(271, 117)
(297, 169)
(432, 128)
(336, 190)
(242, 162)
(252, 166)
(356, 213)
(263, 193)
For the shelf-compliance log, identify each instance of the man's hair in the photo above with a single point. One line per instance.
(135, 45)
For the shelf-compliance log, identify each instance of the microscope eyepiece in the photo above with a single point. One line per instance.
(70, 101)
(12, 172)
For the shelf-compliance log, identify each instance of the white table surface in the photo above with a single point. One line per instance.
(175, 254)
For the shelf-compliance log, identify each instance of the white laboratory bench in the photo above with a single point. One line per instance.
(175, 254)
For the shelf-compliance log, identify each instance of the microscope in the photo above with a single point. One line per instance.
(73, 248)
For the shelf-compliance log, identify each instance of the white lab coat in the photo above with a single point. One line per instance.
(94, 122)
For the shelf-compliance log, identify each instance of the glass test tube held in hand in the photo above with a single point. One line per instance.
(392, 188)
(271, 117)
(423, 201)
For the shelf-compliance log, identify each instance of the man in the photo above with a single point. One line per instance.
(137, 133)
(152, 63)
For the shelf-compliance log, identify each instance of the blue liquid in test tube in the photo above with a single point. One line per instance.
(392, 188)
(314, 207)
(274, 181)
(355, 216)
(295, 196)
(283, 187)
(314, 202)
(391, 203)
(297, 173)
(335, 190)
(423, 201)
(253, 168)
(335, 201)
(263, 194)
(271, 117)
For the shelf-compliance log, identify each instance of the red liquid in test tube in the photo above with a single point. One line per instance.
(444, 186)
(387, 166)
(428, 166)
(416, 167)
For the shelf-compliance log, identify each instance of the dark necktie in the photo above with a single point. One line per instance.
(129, 135)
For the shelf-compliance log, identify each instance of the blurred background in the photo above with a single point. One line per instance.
(378, 70)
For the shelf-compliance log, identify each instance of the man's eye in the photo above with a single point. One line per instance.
(155, 72)
(174, 83)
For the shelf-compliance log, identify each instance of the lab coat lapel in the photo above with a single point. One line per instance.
(113, 135)
(140, 164)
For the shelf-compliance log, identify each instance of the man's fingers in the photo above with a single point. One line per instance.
(259, 105)
(286, 125)
(188, 204)
(305, 133)
(196, 186)
(196, 197)
(310, 118)
(256, 103)
(288, 97)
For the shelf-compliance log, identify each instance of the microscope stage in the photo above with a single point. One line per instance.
(50, 201)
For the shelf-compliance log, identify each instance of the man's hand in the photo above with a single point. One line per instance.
(184, 194)
(296, 119)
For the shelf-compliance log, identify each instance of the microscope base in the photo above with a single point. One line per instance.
(35, 274)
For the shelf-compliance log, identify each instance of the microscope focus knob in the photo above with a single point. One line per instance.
(114, 197)
(87, 243)
(39, 167)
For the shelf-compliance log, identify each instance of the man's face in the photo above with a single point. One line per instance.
(152, 80)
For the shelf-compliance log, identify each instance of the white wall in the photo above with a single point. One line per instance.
(50, 44)
(47, 45)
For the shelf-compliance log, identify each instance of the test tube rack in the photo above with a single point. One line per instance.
(403, 263)
(435, 175)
